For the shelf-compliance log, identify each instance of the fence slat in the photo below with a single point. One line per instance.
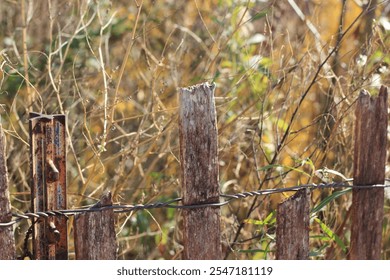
(199, 171)
(7, 240)
(94, 233)
(292, 231)
(369, 168)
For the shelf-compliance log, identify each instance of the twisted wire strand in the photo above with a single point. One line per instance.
(172, 203)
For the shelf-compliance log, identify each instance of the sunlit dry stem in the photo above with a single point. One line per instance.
(81, 26)
(123, 65)
(204, 23)
(281, 143)
(224, 44)
(58, 78)
(49, 61)
(317, 37)
(30, 98)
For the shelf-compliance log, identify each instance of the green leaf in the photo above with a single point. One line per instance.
(331, 234)
(269, 220)
(318, 252)
(259, 15)
(282, 124)
(328, 199)
(255, 251)
(156, 176)
(235, 14)
(283, 166)
(322, 238)
(231, 118)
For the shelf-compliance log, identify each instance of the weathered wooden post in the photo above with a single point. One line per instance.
(94, 232)
(48, 190)
(369, 169)
(7, 240)
(199, 171)
(292, 230)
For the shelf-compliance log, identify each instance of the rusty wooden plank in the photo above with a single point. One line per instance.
(292, 231)
(199, 171)
(37, 185)
(94, 233)
(7, 240)
(48, 167)
(369, 168)
(55, 176)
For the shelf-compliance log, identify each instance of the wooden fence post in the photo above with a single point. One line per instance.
(7, 240)
(199, 171)
(292, 231)
(48, 191)
(369, 168)
(94, 233)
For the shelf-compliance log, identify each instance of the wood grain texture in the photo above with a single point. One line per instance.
(7, 241)
(292, 231)
(369, 168)
(199, 171)
(94, 233)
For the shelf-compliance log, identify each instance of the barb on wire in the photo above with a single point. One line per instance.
(173, 203)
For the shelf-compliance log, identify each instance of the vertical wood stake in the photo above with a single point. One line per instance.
(199, 171)
(369, 168)
(292, 231)
(94, 233)
(7, 240)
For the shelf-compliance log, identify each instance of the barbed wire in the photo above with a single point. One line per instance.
(173, 203)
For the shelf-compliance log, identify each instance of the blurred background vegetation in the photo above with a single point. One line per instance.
(287, 73)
